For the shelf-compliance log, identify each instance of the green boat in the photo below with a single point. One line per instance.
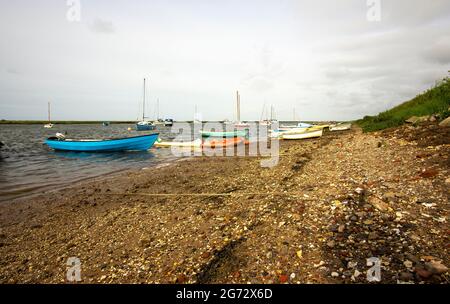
(237, 133)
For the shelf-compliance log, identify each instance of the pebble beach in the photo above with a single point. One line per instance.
(329, 205)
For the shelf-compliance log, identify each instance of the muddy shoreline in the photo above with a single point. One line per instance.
(316, 217)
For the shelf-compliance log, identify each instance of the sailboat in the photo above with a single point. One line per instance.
(264, 122)
(144, 125)
(197, 118)
(49, 125)
(158, 121)
(239, 123)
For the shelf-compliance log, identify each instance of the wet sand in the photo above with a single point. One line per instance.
(330, 204)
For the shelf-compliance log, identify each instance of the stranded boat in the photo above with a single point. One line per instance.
(137, 143)
(236, 133)
(302, 135)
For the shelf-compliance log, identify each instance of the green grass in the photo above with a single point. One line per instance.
(433, 101)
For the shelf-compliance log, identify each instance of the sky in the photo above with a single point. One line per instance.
(317, 60)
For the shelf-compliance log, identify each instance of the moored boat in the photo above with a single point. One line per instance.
(49, 125)
(168, 122)
(136, 143)
(221, 143)
(185, 144)
(236, 133)
(144, 125)
(341, 127)
(302, 135)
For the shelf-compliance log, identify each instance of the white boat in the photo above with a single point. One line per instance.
(49, 125)
(186, 144)
(341, 127)
(302, 135)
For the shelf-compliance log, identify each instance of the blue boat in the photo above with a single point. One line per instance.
(145, 126)
(137, 143)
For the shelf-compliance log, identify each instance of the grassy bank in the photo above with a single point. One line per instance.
(43, 122)
(433, 101)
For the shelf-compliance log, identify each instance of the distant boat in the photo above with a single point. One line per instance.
(137, 143)
(106, 123)
(236, 133)
(341, 127)
(168, 122)
(144, 125)
(302, 135)
(49, 125)
(239, 123)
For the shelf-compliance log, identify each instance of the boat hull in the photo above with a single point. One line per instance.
(223, 134)
(303, 135)
(137, 143)
(144, 127)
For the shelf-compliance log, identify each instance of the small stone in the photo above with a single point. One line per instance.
(330, 244)
(334, 274)
(406, 276)
(378, 204)
(373, 236)
(425, 274)
(292, 276)
(144, 242)
(408, 264)
(356, 273)
(352, 264)
(436, 267)
(341, 228)
(283, 278)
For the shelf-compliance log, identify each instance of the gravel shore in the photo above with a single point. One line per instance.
(328, 206)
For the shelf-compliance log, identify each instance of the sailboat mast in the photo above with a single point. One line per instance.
(143, 104)
(49, 111)
(157, 109)
(238, 105)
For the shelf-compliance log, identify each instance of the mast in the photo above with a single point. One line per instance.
(157, 109)
(271, 112)
(238, 105)
(49, 111)
(143, 105)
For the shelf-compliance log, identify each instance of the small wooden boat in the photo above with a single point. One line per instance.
(221, 143)
(341, 127)
(302, 135)
(236, 133)
(138, 143)
(185, 144)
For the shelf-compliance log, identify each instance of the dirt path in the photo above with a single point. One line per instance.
(338, 201)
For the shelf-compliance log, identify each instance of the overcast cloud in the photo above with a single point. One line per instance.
(322, 57)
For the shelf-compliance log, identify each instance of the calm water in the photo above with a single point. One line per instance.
(28, 166)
